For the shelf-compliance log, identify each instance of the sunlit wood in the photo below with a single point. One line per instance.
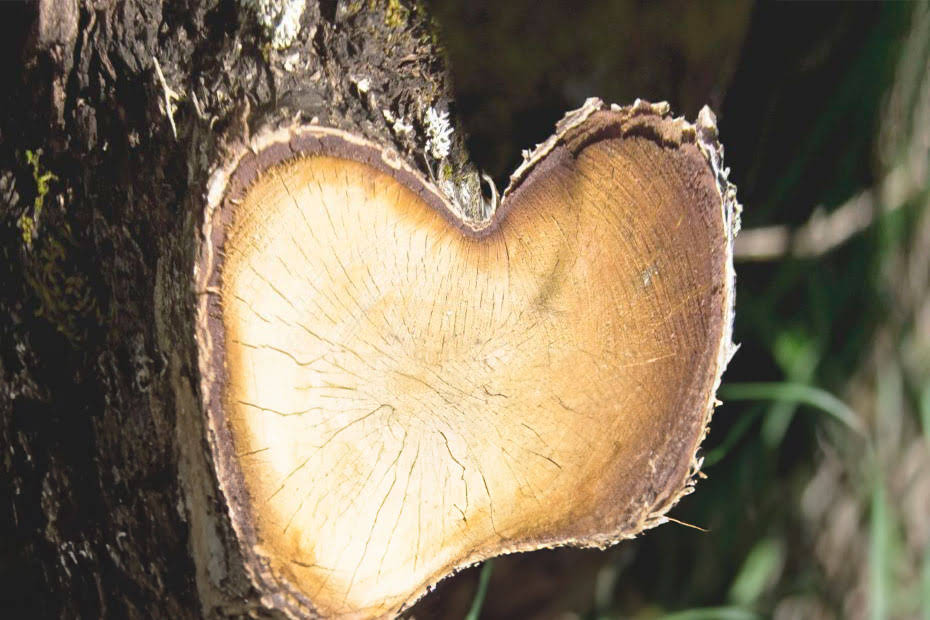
(405, 399)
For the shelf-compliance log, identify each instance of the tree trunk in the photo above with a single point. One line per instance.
(114, 114)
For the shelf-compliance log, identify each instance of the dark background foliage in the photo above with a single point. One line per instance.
(820, 108)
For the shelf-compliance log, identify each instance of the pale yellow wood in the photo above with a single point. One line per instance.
(404, 398)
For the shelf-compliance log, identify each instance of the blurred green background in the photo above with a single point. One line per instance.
(817, 497)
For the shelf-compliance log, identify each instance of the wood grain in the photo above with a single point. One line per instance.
(406, 398)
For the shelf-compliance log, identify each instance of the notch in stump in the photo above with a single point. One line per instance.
(396, 392)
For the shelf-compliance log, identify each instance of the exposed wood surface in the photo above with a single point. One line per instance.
(405, 396)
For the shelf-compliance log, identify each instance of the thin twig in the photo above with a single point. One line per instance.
(171, 96)
(824, 232)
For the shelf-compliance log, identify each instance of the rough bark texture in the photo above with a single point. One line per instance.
(128, 104)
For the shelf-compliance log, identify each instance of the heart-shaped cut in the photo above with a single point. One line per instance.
(397, 392)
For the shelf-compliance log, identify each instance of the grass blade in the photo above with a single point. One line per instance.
(797, 393)
(713, 613)
(925, 586)
(878, 553)
(478, 602)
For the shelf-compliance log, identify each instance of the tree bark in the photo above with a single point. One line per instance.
(113, 115)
